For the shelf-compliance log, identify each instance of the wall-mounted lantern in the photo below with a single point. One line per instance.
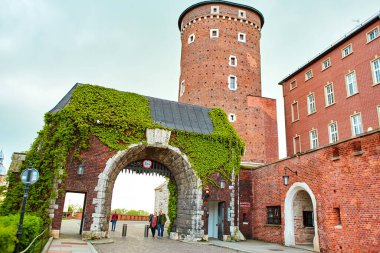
(80, 169)
(222, 184)
(285, 177)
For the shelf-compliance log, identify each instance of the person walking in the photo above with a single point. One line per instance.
(161, 223)
(153, 223)
(114, 218)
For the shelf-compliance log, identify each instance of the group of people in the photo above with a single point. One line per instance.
(157, 222)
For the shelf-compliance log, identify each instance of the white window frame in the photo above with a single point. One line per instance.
(291, 86)
(191, 38)
(230, 61)
(294, 118)
(308, 74)
(311, 106)
(329, 95)
(347, 53)
(375, 72)
(214, 9)
(231, 117)
(374, 31)
(229, 82)
(351, 84)
(211, 33)
(242, 14)
(313, 134)
(244, 39)
(333, 132)
(295, 144)
(356, 124)
(182, 88)
(326, 64)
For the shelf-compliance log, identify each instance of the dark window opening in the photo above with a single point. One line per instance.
(337, 215)
(274, 215)
(308, 219)
(245, 217)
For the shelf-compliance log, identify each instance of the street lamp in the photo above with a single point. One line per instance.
(28, 176)
(285, 177)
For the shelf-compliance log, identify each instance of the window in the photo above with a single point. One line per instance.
(329, 94)
(242, 14)
(232, 117)
(333, 132)
(326, 64)
(242, 37)
(296, 144)
(293, 84)
(351, 85)
(214, 9)
(337, 216)
(313, 139)
(182, 88)
(308, 75)
(311, 104)
(356, 124)
(232, 82)
(347, 51)
(274, 215)
(295, 115)
(191, 38)
(214, 33)
(375, 66)
(373, 34)
(308, 219)
(232, 61)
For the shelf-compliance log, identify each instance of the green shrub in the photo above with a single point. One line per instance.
(32, 226)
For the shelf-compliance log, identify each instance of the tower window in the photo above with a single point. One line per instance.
(191, 38)
(351, 85)
(182, 88)
(214, 33)
(242, 14)
(375, 67)
(232, 117)
(356, 124)
(347, 51)
(326, 64)
(232, 82)
(214, 9)
(333, 132)
(311, 104)
(313, 139)
(233, 61)
(373, 34)
(309, 75)
(242, 37)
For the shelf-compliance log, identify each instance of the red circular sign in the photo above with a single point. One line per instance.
(147, 164)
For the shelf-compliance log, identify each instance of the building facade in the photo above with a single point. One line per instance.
(220, 67)
(336, 95)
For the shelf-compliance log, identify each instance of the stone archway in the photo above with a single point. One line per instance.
(189, 206)
(289, 233)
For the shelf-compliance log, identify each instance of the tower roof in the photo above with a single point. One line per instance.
(219, 2)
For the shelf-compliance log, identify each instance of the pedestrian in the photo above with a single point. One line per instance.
(153, 223)
(161, 223)
(114, 218)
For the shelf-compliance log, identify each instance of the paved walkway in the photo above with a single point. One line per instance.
(136, 243)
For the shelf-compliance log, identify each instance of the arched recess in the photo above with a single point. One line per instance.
(189, 205)
(289, 234)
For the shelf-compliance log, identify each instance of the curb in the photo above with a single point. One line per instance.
(47, 245)
(92, 248)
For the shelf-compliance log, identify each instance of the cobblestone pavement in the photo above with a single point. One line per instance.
(136, 243)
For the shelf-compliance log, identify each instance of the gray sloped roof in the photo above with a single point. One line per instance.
(174, 115)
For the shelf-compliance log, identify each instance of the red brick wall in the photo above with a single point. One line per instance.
(366, 101)
(345, 176)
(205, 70)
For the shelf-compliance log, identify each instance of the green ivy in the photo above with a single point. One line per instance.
(117, 119)
(172, 203)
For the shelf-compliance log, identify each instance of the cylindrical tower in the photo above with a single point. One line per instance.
(220, 67)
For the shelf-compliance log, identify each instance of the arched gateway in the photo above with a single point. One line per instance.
(189, 212)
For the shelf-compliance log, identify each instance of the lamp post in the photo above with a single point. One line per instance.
(28, 176)
(285, 177)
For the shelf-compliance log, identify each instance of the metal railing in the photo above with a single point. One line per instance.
(38, 242)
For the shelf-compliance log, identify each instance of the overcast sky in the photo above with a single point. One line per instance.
(48, 46)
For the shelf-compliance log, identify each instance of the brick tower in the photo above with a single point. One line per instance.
(220, 67)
